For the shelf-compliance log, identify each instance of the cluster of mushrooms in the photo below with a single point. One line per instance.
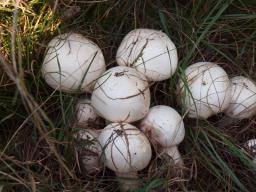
(121, 96)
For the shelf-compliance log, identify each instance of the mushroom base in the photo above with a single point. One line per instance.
(128, 181)
(174, 153)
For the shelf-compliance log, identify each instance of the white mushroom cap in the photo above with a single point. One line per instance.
(89, 135)
(121, 94)
(207, 90)
(125, 147)
(164, 126)
(72, 63)
(243, 98)
(149, 51)
(85, 112)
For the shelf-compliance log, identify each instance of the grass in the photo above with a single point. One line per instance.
(36, 122)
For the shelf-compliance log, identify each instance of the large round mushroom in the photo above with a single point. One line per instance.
(243, 98)
(72, 63)
(165, 129)
(205, 91)
(126, 150)
(150, 52)
(121, 94)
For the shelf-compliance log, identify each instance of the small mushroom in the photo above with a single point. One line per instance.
(250, 145)
(86, 115)
(165, 128)
(150, 52)
(88, 148)
(205, 91)
(125, 150)
(72, 63)
(243, 98)
(121, 94)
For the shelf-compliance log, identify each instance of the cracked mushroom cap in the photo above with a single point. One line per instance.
(85, 112)
(150, 52)
(125, 148)
(72, 63)
(121, 94)
(164, 126)
(243, 98)
(206, 91)
(88, 147)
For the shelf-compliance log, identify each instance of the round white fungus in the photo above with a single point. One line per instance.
(150, 52)
(72, 63)
(205, 91)
(165, 128)
(126, 150)
(121, 94)
(243, 98)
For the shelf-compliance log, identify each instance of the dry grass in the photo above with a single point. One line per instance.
(37, 152)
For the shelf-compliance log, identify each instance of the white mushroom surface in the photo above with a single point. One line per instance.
(243, 98)
(125, 150)
(125, 147)
(121, 94)
(165, 128)
(85, 113)
(72, 63)
(205, 91)
(150, 52)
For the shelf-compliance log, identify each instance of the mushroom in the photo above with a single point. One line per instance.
(243, 98)
(72, 63)
(121, 94)
(250, 145)
(125, 150)
(88, 149)
(86, 115)
(165, 128)
(150, 52)
(205, 91)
